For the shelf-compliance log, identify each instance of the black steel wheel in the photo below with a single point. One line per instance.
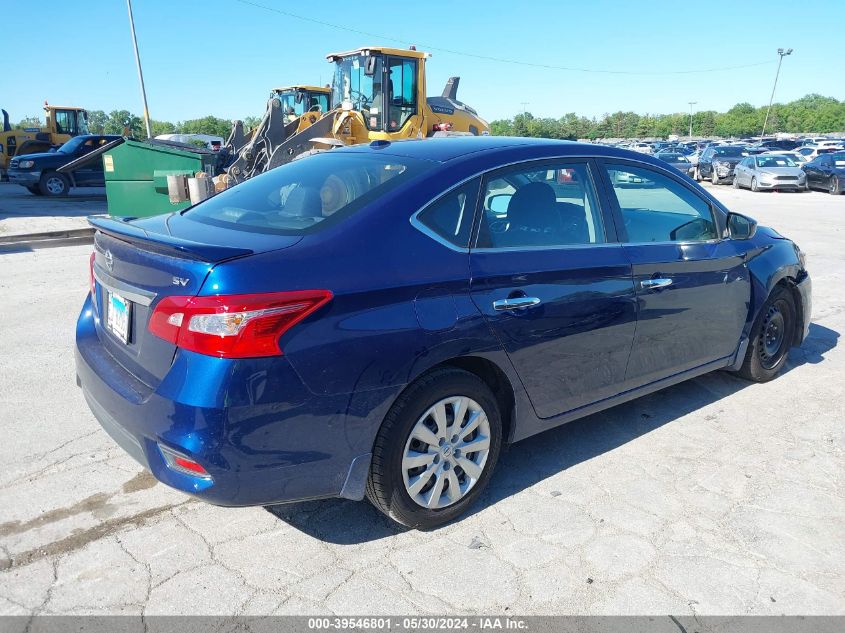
(771, 337)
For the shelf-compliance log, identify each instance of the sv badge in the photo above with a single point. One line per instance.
(180, 281)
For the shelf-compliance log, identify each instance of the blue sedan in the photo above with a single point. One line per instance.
(380, 320)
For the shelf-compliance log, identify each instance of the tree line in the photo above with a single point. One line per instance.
(811, 113)
(116, 121)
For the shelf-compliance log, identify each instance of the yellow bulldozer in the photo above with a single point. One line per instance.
(377, 93)
(61, 124)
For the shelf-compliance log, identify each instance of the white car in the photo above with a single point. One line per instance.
(814, 140)
(812, 151)
(644, 148)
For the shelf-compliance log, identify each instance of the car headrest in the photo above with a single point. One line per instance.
(304, 202)
(533, 206)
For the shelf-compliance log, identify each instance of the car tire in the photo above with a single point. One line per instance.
(754, 186)
(835, 186)
(714, 177)
(54, 184)
(34, 190)
(696, 175)
(401, 442)
(771, 337)
(736, 182)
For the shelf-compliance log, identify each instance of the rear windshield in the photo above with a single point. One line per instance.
(308, 194)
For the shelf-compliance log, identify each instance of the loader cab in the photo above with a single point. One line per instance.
(383, 85)
(66, 122)
(297, 100)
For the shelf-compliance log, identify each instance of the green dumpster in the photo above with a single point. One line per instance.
(136, 175)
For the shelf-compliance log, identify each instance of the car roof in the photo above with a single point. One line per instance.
(112, 136)
(446, 149)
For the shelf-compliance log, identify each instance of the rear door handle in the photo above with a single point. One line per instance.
(517, 303)
(652, 284)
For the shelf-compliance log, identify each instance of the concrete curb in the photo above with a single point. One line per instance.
(48, 239)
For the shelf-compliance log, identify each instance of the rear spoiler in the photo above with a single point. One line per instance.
(165, 244)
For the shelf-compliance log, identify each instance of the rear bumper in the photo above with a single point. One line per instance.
(260, 434)
(24, 178)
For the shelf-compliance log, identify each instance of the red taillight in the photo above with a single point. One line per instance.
(91, 281)
(233, 326)
(182, 464)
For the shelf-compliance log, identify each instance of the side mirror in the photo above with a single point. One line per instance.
(298, 97)
(370, 66)
(499, 203)
(741, 227)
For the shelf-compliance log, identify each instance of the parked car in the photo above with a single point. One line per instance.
(677, 160)
(827, 172)
(480, 290)
(810, 152)
(641, 147)
(782, 143)
(717, 163)
(814, 140)
(37, 172)
(769, 171)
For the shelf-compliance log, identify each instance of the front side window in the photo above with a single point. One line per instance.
(545, 205)
(450, 217)
(318, 102)
(656, 208)
(64, 122)
(307, 195)
(402, 95)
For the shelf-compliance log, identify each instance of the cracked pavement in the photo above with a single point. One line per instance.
(713, 497)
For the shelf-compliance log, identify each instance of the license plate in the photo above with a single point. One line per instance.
(118, 314)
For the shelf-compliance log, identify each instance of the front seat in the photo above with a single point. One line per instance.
(533, 219)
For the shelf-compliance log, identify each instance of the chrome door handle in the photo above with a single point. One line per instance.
(651, 284)
(517, 303)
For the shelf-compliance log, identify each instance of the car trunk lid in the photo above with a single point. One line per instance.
(137, 263)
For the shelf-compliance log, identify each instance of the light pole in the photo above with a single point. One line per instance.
(782, 53)
(691, 103)
(523, 104)
(140, 74)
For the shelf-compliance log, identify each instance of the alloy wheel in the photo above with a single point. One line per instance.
(55, 185)
(446, 452)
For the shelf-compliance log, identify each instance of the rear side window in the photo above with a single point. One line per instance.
(450, 216)
(308, 194)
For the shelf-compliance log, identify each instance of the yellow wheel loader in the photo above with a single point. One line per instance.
(61, 124)
(290, 110)
(377, 94)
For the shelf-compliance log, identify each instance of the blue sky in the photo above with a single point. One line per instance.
(222, 56)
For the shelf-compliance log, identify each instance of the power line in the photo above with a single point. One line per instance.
(500, 60)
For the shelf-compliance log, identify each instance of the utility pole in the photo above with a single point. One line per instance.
(523, 104)
(782, 53)
(691, 103)
(140, 73)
